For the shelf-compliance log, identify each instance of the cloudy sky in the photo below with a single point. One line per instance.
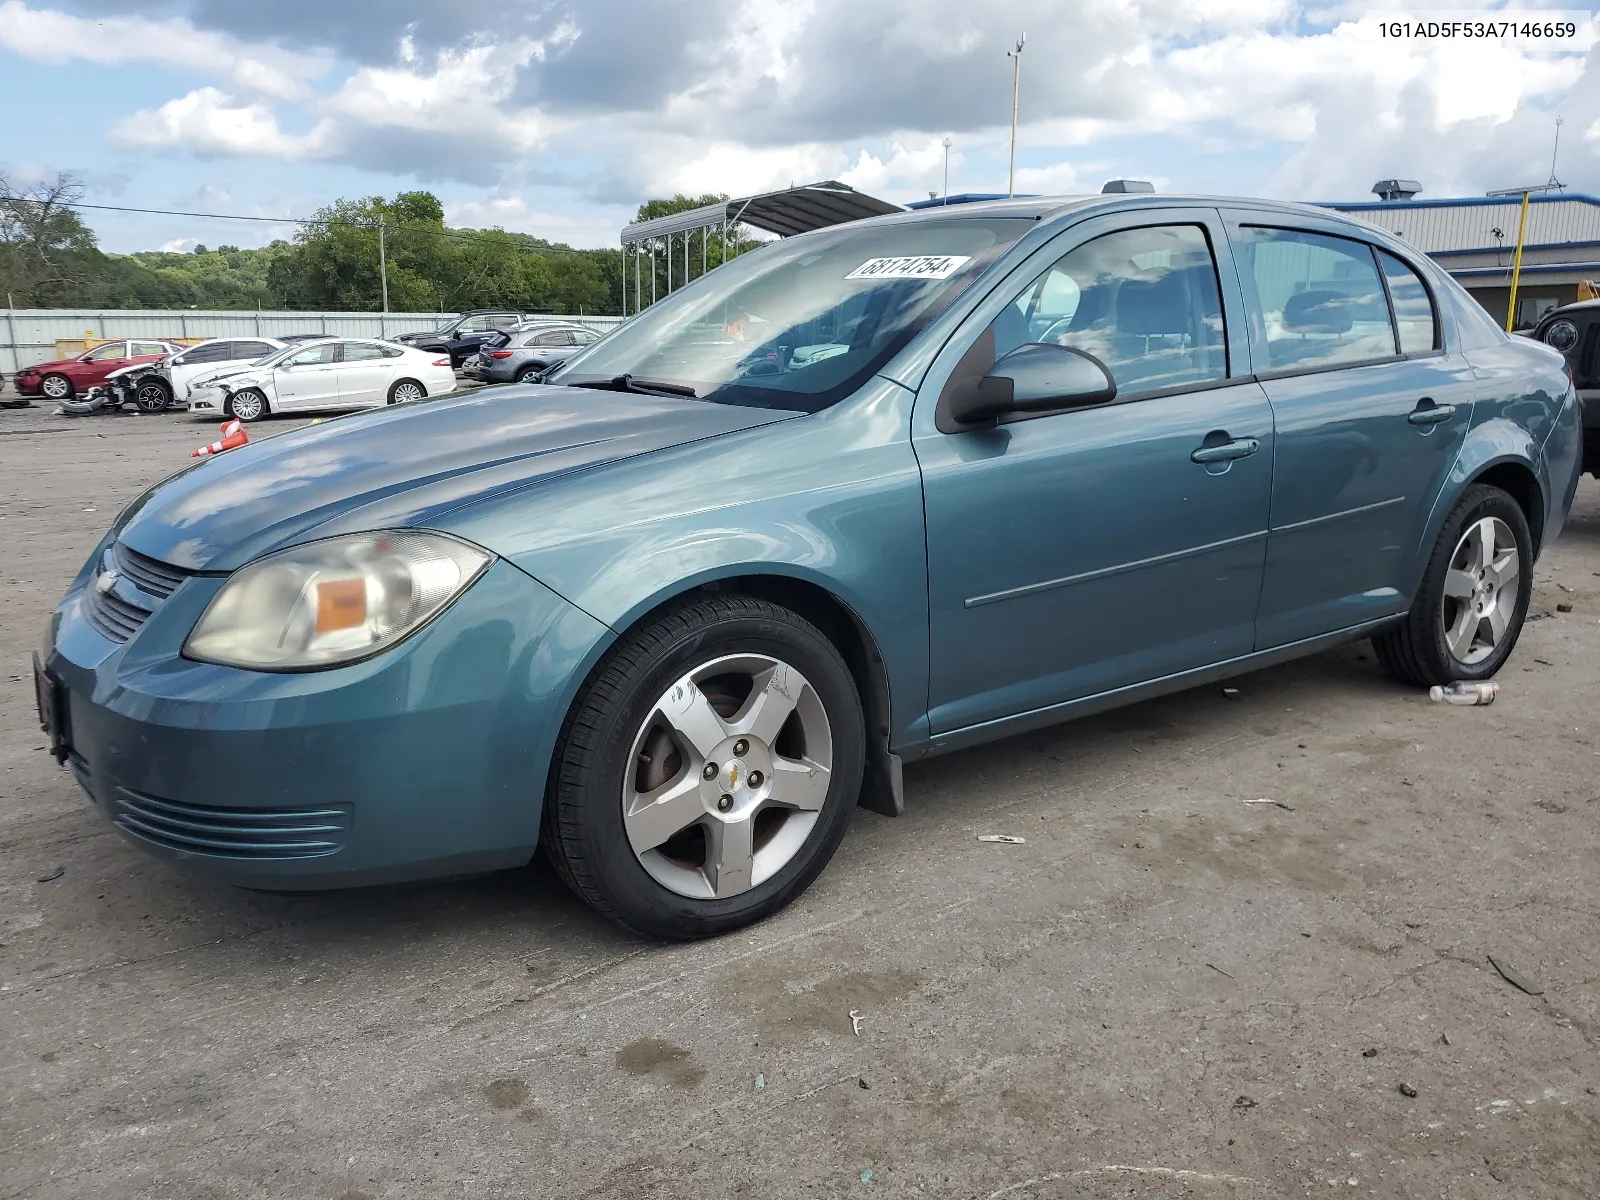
(559, 116)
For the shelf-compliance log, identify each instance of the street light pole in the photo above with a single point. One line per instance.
(1016, 89)
(947, 170)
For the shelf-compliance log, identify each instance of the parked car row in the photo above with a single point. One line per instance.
(252, 376)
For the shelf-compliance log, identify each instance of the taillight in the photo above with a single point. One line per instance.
(499, 354)
(443, 362)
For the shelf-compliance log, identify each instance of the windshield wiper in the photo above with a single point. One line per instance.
(644, 387)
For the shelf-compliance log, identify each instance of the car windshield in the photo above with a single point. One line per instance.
(802, 322)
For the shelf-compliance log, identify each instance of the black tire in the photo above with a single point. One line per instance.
(63, 386)
(529, 369)
(394, 391)
(152, 396)
(583, 833)
(254, 414)
(1415, 652)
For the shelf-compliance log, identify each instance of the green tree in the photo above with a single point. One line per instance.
(706, 248)
(46, 251)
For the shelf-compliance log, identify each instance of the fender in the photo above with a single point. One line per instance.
(833, 499)
(1496, 442)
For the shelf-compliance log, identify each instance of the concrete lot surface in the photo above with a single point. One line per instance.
(1166, 991)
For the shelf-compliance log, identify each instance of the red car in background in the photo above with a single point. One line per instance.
(66, 377)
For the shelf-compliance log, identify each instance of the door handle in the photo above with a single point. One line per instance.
(1226, 451)
(1428, 413)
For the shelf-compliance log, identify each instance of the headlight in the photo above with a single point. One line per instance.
(333, 602)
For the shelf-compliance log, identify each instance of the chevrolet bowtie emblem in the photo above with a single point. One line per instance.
(733, 775)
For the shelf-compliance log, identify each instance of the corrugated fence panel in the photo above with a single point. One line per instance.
(29, 335)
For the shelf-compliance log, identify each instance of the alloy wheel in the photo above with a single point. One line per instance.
(248, 405)
(404, 392)
(57, 387)
(1481, 590)
(727, 775)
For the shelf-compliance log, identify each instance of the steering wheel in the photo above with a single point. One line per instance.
(1061, 325)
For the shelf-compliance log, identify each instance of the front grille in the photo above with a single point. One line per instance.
(111, 615)
(233, 832)
(146, 573)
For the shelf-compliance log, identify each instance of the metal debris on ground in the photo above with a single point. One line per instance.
(1465, 693)
(1515, 977)
(1009, 839)
(1563, 608)
(1407, 1090)
(1218, 969)
(55, 872)
(855, 1022)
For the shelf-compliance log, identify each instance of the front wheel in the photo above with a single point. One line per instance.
(1470, 609)
(57, 387)
(248, 404)
(708, 770)
(152, 396)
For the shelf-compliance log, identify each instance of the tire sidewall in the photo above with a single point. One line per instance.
(642, 902)
(139, 402)
(1480, 503)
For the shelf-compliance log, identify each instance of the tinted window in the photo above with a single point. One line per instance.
(1320, 297)
(251, 350)
(1144, 302)
(802, 322)
(1413, 307)
(361, 352)
(554, 337)
(209, 353)
(505, 321)
(327, 352)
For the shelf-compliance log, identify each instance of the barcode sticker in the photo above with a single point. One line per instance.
(917, 266)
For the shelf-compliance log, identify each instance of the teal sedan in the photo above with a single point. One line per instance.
(858, 497)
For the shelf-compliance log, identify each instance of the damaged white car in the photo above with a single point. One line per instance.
(327, 374)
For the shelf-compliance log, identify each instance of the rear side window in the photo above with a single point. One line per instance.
(1413, 307)
(361, 351)
(1144, 302)
(554, 337)
(1320, 298)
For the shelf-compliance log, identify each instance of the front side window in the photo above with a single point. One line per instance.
(1413, 307)
(107, 352)
(800, 323)
(248, 350)
(209, 353)
(1145, 302)
(327, 352)
(473, 325)
(1320, 298)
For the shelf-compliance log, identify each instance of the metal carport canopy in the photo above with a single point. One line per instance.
(793, 210)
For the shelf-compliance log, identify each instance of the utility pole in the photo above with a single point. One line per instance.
(947, 170)
(1527, 194)
(383, 265)
(1016, 91)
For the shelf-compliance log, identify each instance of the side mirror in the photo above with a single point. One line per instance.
(1039, 377)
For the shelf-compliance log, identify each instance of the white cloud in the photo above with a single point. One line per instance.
(48, 36)
(586, 227)
(211, 122)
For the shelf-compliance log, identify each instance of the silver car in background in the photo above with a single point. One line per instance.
(530, 348)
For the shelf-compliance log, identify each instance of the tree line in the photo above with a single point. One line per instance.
(50, 259)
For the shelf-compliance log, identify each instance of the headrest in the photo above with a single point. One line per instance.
(1147, 307)
(1318, 312)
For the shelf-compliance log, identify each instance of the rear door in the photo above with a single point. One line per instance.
(365, 375)
(1371, 409)
(309, 379)
(1079, 552)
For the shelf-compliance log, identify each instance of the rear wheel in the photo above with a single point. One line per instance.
(708, 770)
(406, 389)
(531, 369)
(57, 387)
(248, 404)
(1470, 609)
(152, 396)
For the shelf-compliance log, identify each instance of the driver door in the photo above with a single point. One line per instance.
(1076, 553)
(309, 379)
(93, 367)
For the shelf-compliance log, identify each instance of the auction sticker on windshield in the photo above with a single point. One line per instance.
(916, 266)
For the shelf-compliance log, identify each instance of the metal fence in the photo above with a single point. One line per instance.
(29, 335)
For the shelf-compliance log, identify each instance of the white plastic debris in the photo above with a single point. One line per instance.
(1008, 839)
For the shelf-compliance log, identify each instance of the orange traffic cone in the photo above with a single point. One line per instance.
(233, 434)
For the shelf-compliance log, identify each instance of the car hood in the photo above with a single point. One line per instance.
(53, 365)
(405, 466)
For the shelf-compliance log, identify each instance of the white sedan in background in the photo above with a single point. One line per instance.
(322, 375)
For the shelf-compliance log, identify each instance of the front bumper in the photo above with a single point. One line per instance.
(26, 385)
(427, 760)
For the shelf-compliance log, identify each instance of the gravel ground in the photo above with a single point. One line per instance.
(1166, 991)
